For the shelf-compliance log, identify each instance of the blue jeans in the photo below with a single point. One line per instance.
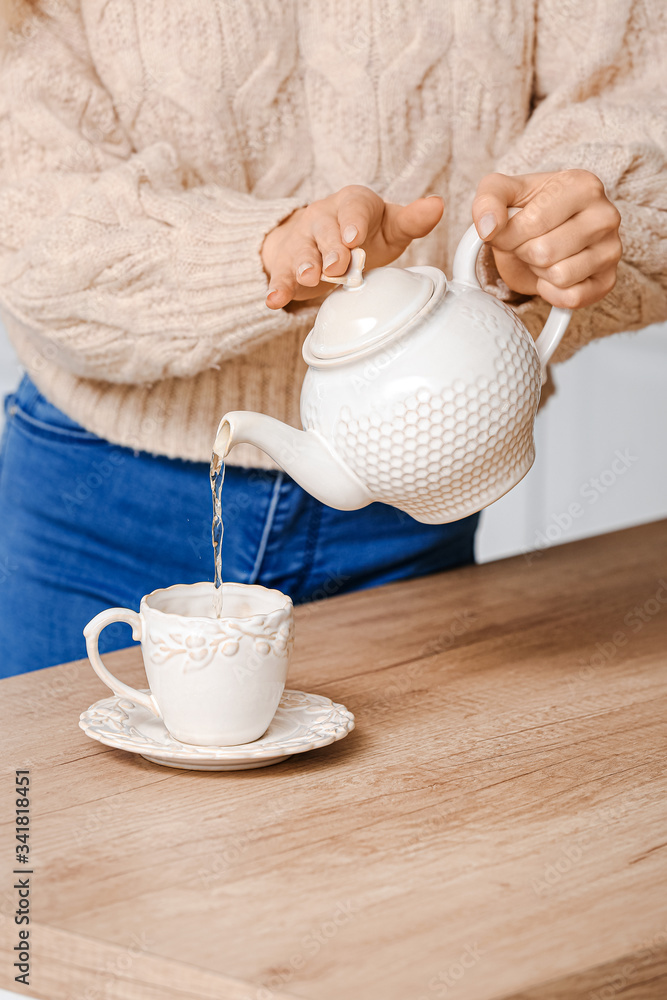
(86, 525)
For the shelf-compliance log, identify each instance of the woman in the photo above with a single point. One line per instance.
(173, 180)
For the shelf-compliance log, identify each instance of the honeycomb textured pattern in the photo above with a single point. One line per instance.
(440, 456)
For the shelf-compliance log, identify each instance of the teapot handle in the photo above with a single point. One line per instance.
(464, 272)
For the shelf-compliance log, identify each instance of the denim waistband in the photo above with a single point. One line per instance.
(32, 406)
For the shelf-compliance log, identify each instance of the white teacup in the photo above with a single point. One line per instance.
(213, 681)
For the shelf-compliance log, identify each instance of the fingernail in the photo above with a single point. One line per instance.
(330, 259)
(486, 225)
(350, 233)
(302, 268)
(271, 291)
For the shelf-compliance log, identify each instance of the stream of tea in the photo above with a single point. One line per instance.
(217, 530)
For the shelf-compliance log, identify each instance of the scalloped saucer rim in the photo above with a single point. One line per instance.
(302, 722)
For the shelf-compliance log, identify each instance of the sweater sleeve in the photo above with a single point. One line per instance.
(129, 270)
(600, 104)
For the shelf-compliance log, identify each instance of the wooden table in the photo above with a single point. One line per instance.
(495, 827)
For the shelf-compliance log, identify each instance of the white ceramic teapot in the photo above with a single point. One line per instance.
(419, 393)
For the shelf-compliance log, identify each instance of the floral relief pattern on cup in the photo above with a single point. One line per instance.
(198, 649)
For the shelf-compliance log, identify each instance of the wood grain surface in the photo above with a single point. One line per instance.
(494, 829)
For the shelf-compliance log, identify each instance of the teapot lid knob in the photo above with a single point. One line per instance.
(353, 277)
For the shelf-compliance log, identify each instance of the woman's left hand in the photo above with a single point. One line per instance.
(563, 245)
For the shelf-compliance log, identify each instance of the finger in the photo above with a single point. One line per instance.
(564, 241)
(281, 290)
(593, 260)
(547, 200)
(403, 223)
(495, 193)
(585, 293)
(307, 261)
(334, 254)
(555, 199)
(360, 210)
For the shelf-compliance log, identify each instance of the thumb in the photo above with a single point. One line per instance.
(495, 194)
(409, 222)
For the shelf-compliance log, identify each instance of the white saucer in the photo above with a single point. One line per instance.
(303, 722)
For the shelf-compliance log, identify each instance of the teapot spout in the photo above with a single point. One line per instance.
(304, 455)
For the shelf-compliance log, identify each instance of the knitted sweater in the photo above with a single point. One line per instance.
(148, 146)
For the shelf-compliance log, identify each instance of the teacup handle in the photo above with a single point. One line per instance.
(92, 635)
(464, 271)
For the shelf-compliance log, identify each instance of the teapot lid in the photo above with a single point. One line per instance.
(358, 316)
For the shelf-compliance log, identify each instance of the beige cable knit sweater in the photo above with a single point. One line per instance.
(148, 146)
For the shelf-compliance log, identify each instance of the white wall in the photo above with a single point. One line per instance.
(611, 399)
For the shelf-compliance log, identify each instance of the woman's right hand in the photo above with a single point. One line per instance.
(319, 238)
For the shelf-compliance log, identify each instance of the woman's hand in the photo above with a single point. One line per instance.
(563, 245)
(319, 238)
